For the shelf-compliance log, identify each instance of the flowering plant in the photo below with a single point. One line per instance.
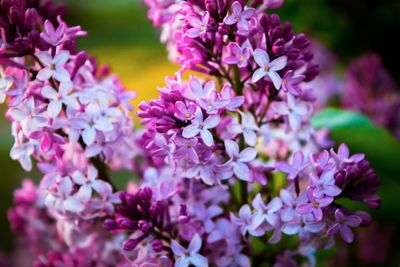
(232, 173)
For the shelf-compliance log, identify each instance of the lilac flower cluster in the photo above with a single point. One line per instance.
(223, 161)
(72, 118)
(377, 95)
(47, 241)
(307, 206)
(249, 117)
(65, 112)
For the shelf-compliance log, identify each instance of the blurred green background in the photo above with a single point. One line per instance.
(121, 36)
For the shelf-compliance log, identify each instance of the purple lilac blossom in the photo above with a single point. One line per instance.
(203, 141)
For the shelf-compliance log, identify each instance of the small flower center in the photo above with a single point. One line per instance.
(316, 205)
(187, 115)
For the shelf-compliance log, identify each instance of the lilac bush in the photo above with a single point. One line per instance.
(231, 171)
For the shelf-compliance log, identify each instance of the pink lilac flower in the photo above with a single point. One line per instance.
(268, 68)
(213, 103)
(247, 222)
(293, 109)
(190, 256)
(53, 66)
(233, 101)
(186, 148)
(249, 128)
(164, 149)
(303, 226)
(22, 153)
(343, 155)
(267, 212)
(343, 224)
(60, 97)
(199, 90)
(299, 163)
(291, 81)
(92, 123)
(322, 162)
(5, 84)
(239, 55)
(88, 183)
(239, 160)
(202, 127)
(184, 111)
(288, 205)
(239, 16)
(26, 115)
(324, 185)
(314, 206)
(199, 26)
(51, 35)
(63, 200)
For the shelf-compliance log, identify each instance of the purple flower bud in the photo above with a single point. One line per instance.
(157, 245)
(130, 244)
(110, 224)
(144, 226)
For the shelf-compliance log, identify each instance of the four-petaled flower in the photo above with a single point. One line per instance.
(291, 82)
(63, 199)
(314, 206)
(51, 35)
(249, 128)
(298, 164)
(238, 55)
(266, 212)
(267, 68)
(247, 222)
(186, 257)
(199, 25)
(238, 160)
(239, 16)
(202, 127)
(93, 122)
(60, 97)
(186, 149)
(88, 183)
(53, 67)
(293, 109)
(343, 224)
(213, 103)
(324, 185)
(343, 155)
(184, 111)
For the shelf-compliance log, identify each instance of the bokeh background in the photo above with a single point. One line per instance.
(121, 36)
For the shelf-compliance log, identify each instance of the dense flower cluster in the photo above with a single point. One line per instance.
(224, 162)
(71, 117)
(377, 95)
(49, 246)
